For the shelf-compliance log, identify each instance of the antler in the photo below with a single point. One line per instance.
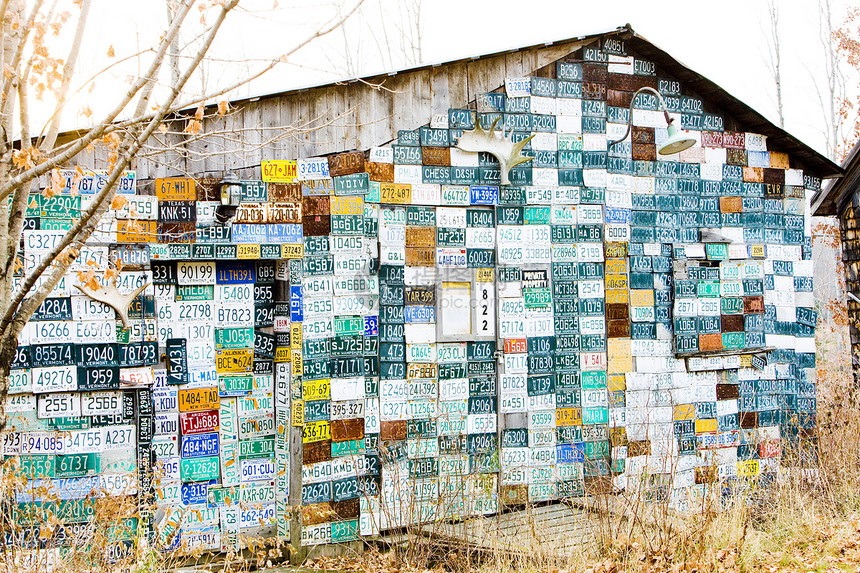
(111, 296)
(496, 143)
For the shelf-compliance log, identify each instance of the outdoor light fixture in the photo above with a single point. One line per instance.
(677, 141)
(231, 196)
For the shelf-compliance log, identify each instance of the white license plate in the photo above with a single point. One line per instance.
(361, 304)
(83, 441)
(165, 446)
(318, 472)
(141, 376)
(234, 293)
(101, 403)
(256, 404)
(316, 307)
(234, 315)
(85, 308)
(252, 517)
(348, 264)
(195, 273)
(96, 331)
(128, 282)
(59, 405)
(21, 403)
(50, 331)
(346, 410)
(200, 352)
(258, 469)
(54, 379)
(119, 484)
(119, 437)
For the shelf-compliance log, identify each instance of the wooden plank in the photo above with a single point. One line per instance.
(440, 99)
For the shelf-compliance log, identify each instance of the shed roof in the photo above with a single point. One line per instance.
(833, 199)
(752, 120)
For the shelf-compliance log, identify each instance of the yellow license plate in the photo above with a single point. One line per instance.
(198, 399)
(230, 361)
(316, 432)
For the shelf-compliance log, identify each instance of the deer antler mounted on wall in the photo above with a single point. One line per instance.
(497, 144)
(111, 296)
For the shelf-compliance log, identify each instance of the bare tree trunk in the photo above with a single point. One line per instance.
(834, 89)
(774, 60)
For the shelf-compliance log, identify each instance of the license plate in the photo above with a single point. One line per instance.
(199, 445)
(255, 517)
(256, 427)
(316, 432)
(234, 360)
(101, 403)
(199, 422)
(195, 273)
(346, 410)
(59, 405)
(262, 448)
(76, 465)
(257, 469)
(199, 469)
(198, 399)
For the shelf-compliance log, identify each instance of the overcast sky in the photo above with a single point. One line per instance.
(725, 41)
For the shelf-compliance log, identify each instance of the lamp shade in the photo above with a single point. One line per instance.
(677, 142)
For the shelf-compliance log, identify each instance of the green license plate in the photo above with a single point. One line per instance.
(195, 292)
(710, 289)
(36, 466)
(536, 215)
(450, 237)
(732, 305)
(262, 448)
(348, 325)
(76, 465)
(234, 338)
(347, 448)
(235, 384)
(537, 297)
(60, 206)
(733, 340)
(342, 531)
(347, 224)
(199, 469)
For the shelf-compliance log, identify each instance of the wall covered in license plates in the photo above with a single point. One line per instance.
(438, 344)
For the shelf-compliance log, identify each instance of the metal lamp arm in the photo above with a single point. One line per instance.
(663, 107)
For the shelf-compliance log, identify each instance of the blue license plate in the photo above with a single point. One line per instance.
(195, 493)
(483, 194)
(296, 304)
(249, 233)
(235, 272)
(420, 314)
(200, 445)
(282, 233)
(371, 326)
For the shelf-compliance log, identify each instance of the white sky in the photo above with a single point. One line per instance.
(725, 41)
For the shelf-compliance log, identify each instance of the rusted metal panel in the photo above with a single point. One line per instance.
(753, 304)
(383, 172)
(771, 175)
(316, 206)
(594, 72)
(316, 225)
(732, 323)
(347, 509)
(286, 192)
(641, 134)
(731, 204)
(644, 152)
(346, 163)
(344, 430)
(617, 311)
(735, 156)
(618, 329)
(420, 236)
(619, 98)
(316, 452)
(440, 156)
(728, 391)
(395, 430)
(710, 342)
(420, 256)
